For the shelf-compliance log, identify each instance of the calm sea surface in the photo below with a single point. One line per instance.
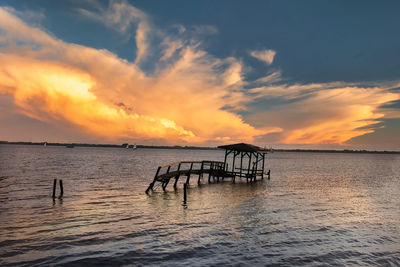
(317, 209)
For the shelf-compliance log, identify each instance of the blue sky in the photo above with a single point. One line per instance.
(331, 65)
(317, 41)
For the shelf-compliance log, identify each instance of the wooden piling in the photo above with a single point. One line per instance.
(190, 172)
(256, 168)
(54, 188)
(151, 185)
(184, 193)
(176, 181)
(210, 174)
(263, 163)
(248, 167)
(61, 189)
(165, 183)
(201, 173)
(241, 166)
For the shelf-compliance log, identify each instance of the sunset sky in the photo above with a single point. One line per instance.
(301, 74)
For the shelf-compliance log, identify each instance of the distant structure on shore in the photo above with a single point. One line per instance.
(363, 151)
(127, 146)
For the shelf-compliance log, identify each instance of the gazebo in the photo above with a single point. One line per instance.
(244, 160)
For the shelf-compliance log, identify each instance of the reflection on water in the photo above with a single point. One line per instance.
(316, 209)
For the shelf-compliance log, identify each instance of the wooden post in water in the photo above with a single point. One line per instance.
(256, 168)
(233, 162)
(226, 155)
(211, 172)
(61, 189)
(164, 184)
(241, 165)
(201, 173)
(169, 167)
(176, 181)
(217, 168)
(54, 188)
(263, 163)
(248, 167)
(177, 176)
(184, 193)
(152, 183)
(190, 171)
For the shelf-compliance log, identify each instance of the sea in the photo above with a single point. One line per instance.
(317, 209)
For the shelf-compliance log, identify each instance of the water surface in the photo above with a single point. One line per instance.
(329, 209)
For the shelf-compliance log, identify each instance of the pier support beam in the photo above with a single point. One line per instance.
(184, 193)
(263, 163)
(61, 189)
(164, 184)
(54, 188)
(151, 185)
(176, 181)
(201, 173)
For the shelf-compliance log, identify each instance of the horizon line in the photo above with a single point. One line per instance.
(197, 147)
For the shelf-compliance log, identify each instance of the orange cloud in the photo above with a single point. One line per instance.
(110, 97)
(190, 97)
(330, 116)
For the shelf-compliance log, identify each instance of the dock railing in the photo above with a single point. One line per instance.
(187, 168)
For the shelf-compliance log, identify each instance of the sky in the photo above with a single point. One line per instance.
(283, 74)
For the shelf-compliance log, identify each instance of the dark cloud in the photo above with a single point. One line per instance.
(393, 104)
(383, 138)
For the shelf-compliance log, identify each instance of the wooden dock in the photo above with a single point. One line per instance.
(251, 161)
(176, 170)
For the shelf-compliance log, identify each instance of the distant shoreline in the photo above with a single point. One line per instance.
(199, 148)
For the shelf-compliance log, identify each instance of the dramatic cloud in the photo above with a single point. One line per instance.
(189, 97)
(122, 17)
(322, 113)
(51, 80)
(266, 56)
(119, 15)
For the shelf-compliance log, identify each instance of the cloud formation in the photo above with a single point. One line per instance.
(266, 55)
(51, 80)
(322, 113)
(190, 97)
(121, 16)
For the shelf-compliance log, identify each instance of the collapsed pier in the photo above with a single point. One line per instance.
(240, 161)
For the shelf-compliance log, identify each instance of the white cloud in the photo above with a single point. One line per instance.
(170, 47)
(121, 16)
(266, 56)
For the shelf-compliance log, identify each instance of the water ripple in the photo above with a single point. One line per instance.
(317, 209)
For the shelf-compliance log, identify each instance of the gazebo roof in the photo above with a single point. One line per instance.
(242, 147)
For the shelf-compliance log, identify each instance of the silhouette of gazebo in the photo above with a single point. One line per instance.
(244, 160)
